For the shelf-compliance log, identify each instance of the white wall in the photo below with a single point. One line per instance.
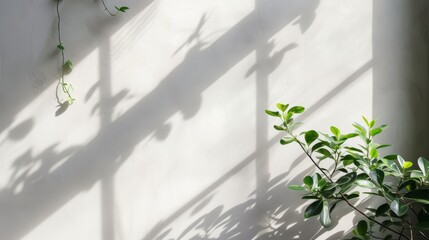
(168, 138)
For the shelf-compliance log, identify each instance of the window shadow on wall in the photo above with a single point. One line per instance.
(274, 199)
(62, 174)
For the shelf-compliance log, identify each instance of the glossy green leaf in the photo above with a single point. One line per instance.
(391, 157)
(347, 179)
(400, 160)
(273, 113)
(420, 195)
(279, 128)
(377, 176)
(373, 153)
(313, 209)
(122, 9)
(350, 135)
(383, 146)
(296, 109)
(308, 181)
(318, 145)
(375, 131)
(407, 164)
(335, 131)
(365, 120)
(325, 153)
(382, 209)
(361, 130)
(286, 140)
(296, 187)
(362, 227)
(311, 136)
(325, 215)
(409, 184)
(424, 166)
(282, 107)
(352, 195)
(399, 207)
(316, 180)
(416, 174)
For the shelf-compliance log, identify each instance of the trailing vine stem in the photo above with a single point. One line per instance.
(66, 87)
(118, 9)
(67, 66)
(342, 195)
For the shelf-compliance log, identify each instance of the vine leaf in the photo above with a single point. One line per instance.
(122, 9)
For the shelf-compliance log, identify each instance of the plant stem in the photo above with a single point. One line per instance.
(344, 198)
(61, 80)
(107, 9)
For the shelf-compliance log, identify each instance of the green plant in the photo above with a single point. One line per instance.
(359, 169)
(67, 66)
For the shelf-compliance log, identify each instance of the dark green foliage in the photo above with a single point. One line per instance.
(357, 170)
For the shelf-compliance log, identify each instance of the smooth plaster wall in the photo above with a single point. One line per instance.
(168, 138)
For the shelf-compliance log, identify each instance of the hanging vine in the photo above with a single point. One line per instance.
(67, 66)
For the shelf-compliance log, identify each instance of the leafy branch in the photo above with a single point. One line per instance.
(360, 166)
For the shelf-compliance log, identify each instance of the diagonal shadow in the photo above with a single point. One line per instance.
(160, 226)
(180, 91)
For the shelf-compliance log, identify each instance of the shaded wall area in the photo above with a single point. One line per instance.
(401, 80)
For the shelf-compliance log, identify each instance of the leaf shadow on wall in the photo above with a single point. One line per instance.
(62, 174)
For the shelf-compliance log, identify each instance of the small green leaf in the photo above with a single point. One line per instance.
(318, 145)
(325, 215)
(362, 227)
(335, 131)
(365, 120)
(308, 181)
(350, 135)
(399, 207)
(311, 136)
(279, 128)
(377, 176)
(325, 153)
(67, 67)
(60, 46)
(296, 109)
(371, 124)
(424, 166)
(382, 209)
(296, 187)
(122, 9)
(375, 131)
(347, 179)
(313, 209)
(374, 153)
(391, 157)
(272, 113)
(361, 130)
(286, 140)
(420, 195)
(282, 107)
(407, 164)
